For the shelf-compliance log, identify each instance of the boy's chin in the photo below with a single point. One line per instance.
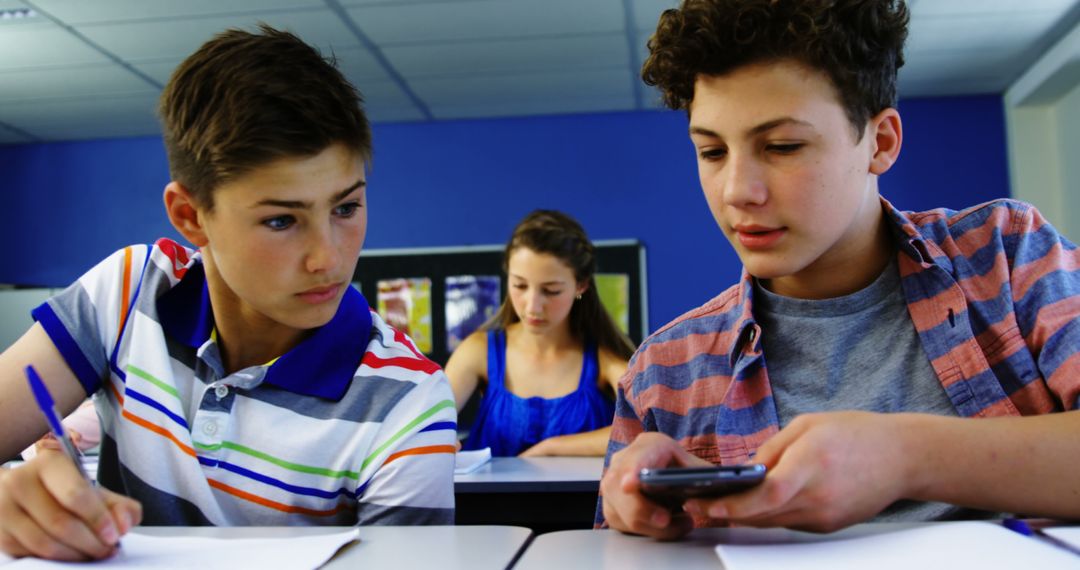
(311, 319)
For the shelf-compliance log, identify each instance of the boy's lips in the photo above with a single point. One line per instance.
(321, 294)
(753, 236)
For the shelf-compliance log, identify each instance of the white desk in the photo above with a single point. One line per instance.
(533, 475)
(612, 550)
(397, 547)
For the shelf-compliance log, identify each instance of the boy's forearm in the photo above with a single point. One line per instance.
(1017, 465)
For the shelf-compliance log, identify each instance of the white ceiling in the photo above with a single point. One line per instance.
(82, 69)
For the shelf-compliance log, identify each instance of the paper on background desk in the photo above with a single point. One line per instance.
(148, 552)
(469, 461)
(945, 545)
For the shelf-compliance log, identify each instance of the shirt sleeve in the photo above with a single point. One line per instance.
(413, 483)
(1045, 279)
(626, 426)
(84, 321)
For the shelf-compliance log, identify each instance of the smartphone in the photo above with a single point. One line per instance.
(672, 486)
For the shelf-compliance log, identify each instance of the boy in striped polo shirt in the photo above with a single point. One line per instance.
(244, 382)
(862, 340)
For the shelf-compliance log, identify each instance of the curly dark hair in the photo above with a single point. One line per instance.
(857, 43)
(244, 99)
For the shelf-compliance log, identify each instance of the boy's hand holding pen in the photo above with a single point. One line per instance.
(51, 508)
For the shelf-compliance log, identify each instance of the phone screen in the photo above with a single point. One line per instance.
(674, 485)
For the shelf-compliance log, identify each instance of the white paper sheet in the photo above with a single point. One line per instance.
(469, 461)
(148, 552)
(944, 546)
(1068, 534)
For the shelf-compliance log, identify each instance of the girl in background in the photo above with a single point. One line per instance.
(548, 363)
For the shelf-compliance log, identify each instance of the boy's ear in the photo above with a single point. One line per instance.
(888, 134)
(185, 214)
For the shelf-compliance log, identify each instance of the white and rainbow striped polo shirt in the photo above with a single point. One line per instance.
(352, 426)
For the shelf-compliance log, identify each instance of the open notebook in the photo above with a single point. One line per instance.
(946, 545)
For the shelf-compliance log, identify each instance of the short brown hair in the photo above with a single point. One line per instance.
(245, 99)
(557, 234)
(857, 43)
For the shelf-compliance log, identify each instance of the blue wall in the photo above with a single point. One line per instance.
(623, 175)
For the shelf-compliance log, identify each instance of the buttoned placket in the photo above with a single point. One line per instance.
(214, 417)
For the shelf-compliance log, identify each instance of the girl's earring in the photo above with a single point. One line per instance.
(578, 297)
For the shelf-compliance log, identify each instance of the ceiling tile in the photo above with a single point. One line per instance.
(355, 62)
(83, 12)
(974, 8)
(158, 40)
(159, 71)
(358, 64)
(382, 93)
(43, 45)
(977, 34)
(84, 117)
(86, 80)
(484, 57)
(485, 19)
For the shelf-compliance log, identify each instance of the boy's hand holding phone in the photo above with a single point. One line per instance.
(625, 507)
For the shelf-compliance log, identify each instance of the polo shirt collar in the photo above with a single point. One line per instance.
(322, 365)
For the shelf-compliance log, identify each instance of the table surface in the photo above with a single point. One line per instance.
(533, 475)
(613, 550)
(398, 547)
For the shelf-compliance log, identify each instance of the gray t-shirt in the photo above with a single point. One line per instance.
(856, 352)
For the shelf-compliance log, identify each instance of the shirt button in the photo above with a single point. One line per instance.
(209, 428)
(221, 391)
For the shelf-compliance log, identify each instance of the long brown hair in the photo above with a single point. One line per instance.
(559, 235)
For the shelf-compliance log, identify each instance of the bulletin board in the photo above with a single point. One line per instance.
(416, 281)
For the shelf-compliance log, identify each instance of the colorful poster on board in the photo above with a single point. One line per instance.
(614, 291)
(470, 301)
(405, 304)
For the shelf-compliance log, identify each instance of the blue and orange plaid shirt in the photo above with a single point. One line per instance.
(993, 292)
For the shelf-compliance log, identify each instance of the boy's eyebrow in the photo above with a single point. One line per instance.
(755, 130)
(302, 204)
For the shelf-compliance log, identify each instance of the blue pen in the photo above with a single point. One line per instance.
(1017, 525)
(1022, 527)
(48, 407)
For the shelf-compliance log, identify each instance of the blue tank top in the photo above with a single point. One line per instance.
(510, 424)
